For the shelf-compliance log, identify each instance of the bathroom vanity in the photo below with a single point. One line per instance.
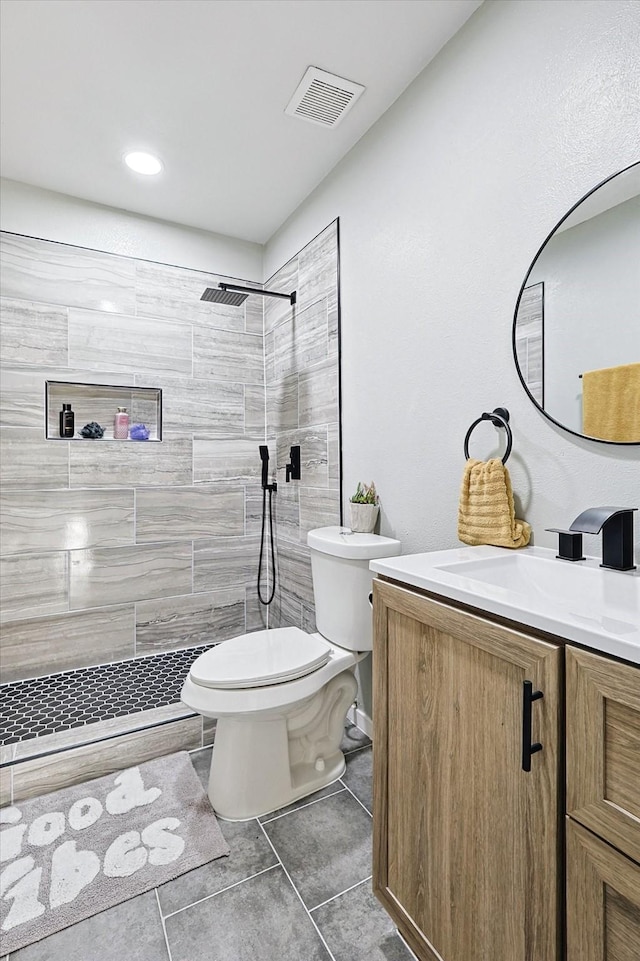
(507, 761)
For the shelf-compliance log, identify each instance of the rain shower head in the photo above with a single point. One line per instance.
(234, 295)
(216, 296)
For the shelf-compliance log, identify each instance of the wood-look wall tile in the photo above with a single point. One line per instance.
(90, 403)
(221, 563)
(47, 774)
(226, 458)
(254, 420)
(318, 394)
(254, 314)
(333, 443)
(45, 645)
(33, 334)
(227, 355)
(174, 622)
(168, 464)
(119, 342)
(313, 455)
(282, 404)
(309, 619)
(319, 507)
(199, 405)
(22, 391)
(121, 574)
(333, 328)
(208, 731)
(287, 512)
(257, 614)
(99, 730)
(253, 501)
(174, 293)
(188, 512)
(38, 270)
(285, 610)
(291, 347)
(38, 521)
(295, 573)
(318, 266)
(276, 309)
(22, 397)
(32, 585)
(28, 461)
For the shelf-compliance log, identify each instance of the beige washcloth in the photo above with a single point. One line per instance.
(611, 403)
(486, 514)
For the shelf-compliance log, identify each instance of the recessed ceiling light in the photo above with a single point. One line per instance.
(143, 163)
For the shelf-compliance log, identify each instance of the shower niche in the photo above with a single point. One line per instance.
(98, 403)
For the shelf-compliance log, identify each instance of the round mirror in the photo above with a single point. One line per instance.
(576, 329)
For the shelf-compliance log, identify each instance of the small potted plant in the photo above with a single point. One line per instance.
(364, 508)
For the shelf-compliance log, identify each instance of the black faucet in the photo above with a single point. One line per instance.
(616, 524)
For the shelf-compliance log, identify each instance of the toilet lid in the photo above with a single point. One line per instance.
(260, 658)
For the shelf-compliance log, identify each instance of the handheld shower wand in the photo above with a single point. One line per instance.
(264, 457)
(266, 486)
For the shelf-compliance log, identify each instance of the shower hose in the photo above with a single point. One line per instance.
(273, 553)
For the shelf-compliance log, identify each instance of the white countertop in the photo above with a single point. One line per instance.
(579, 601)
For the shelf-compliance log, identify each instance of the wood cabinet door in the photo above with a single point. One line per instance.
(603, 748)
(466, 843)
(603, 900)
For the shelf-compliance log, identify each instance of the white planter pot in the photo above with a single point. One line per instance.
(363, 517)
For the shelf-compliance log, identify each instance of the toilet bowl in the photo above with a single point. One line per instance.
(281, 696)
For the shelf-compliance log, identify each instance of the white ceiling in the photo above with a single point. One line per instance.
(203, 84)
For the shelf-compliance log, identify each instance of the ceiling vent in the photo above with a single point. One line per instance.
(323, 98)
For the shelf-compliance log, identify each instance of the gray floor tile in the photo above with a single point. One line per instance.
(250, 853)
(357, 928)
(201, 761)
(359, 776)
(353, 738)
(259, 920)
(132, 930)
(325, 847)
(334, 788)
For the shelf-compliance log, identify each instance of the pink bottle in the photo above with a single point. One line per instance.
(121, 424)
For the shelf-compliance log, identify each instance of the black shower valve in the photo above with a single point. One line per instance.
(292, 469)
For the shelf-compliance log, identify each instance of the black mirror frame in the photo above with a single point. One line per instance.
(597, 440)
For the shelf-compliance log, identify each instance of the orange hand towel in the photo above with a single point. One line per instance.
(611, 403)
(486, 514)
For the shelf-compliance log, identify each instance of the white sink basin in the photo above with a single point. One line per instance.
(579, 601)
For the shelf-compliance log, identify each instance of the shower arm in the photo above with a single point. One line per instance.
(254, 290)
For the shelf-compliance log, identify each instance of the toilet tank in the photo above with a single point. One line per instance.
(342, 583)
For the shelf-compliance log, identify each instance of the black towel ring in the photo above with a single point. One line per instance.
(499, 418)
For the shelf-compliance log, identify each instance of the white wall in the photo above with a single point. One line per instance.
(68, 220)
(442, 207)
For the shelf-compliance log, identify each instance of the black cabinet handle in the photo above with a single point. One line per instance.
(528, 697)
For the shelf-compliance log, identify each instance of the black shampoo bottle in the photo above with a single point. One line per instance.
(67, 421)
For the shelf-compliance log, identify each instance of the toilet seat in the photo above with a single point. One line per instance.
(260, 659)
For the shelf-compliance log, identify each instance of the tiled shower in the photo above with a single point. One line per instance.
(122, 560)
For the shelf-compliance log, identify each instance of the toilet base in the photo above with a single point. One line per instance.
(264, 761)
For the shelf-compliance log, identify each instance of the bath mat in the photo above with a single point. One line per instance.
(81, 850)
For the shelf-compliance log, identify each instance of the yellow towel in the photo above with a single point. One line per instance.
(611, 403)
(486, 514)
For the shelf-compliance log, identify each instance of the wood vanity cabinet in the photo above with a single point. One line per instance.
(466, 843)
(603, 808)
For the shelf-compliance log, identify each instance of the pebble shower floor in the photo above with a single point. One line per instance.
(60, 702)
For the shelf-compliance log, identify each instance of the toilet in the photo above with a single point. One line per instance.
(281, 696)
